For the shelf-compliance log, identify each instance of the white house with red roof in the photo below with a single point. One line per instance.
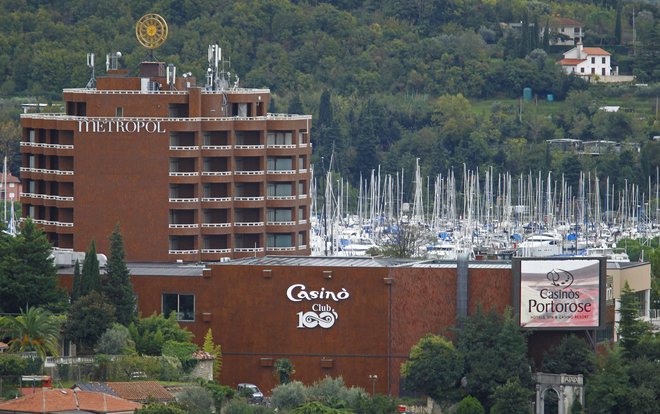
(568, 32)
(587, 61)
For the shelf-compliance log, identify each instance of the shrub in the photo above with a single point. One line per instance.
(287, 396)
(196, 400)
(116, 340)
(469, 405)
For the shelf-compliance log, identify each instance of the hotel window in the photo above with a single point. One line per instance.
(279, 215)
(280, 164)
(279, 189)
(183, 305)
(119, 112)
(279, 138)
(279, 240)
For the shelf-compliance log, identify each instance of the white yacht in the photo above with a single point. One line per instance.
(540, 245)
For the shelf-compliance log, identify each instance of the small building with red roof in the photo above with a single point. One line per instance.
(62, 400)
(586, 61)
(567, 32)
(9, 185)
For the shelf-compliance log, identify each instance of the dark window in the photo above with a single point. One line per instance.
(119, 112)
(593, 60)
(183, 305)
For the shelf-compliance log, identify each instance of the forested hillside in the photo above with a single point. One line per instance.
(388, 81)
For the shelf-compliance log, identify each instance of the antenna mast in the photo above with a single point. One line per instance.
(90, 64)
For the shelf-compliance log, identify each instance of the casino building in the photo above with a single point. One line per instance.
(190, 173)
(353, 317)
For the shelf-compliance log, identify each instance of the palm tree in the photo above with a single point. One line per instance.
(36, 330)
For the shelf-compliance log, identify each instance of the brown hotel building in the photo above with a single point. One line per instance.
(190, 173)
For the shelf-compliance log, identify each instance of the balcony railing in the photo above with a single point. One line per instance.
(281, 146)
(215, 173)
(252, 198)
(281, 223)
(216, 147)
(215, 199)
(47, 196)
(215, 225)
(183, 200)
(248, 223)
(282, 171)
(250, 172)
(248, 249)
(184, 148)
(216, 250)
(44, 145)
(281, 197)
(181, 252)
(281, 249)
(248, 147)
(45, 171)
(53, 223)
(184, 174)
(183, 226)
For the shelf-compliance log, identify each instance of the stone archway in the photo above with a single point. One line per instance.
(569, 388)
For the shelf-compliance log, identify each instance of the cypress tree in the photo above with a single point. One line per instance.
(77, 283)
(536, 33)
(91, 277)
(546, 36)
(116, 284)
(524, 35)
(617, 23)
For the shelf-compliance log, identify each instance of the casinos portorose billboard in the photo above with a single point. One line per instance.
(560, 293)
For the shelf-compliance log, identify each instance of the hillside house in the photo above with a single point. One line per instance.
(587, 61)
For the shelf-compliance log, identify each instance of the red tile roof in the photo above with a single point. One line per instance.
(571, 62)
(565, 22)
(595, 51)
(58, 400)
(10, 178)
(141, 390)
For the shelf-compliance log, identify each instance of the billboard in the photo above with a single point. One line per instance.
(560, 293)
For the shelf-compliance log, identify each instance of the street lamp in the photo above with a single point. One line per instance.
(373, 378)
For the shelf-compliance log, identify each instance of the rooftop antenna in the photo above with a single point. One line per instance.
(90, 64)
(171, 76)
(112, 61)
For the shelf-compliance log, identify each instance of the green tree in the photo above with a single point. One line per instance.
(571, 356)
(87, 320)
(631, 328)
(469, 405)
(317, 407)
(289, 395)
(28, 276)
(215, 350)
(608, 389)
(36, 330)
(76, 289)
(434, 368)
(116, 282)
(91, 274)
(495, 352)
(617, 22)
(151, 333)
(284, 369)
(116, 340)
(512, 398)
(196, 400)
(220, 393)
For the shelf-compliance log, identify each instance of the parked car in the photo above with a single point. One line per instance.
(251, 392)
